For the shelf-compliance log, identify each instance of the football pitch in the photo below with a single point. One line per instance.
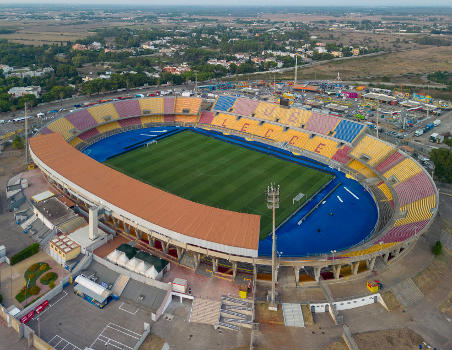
(220, 174)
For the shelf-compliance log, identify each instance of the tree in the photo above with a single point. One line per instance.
(441, 157)
(18, 142)
(437, 248)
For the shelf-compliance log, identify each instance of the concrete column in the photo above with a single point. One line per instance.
(355, 267)
(317, 273)
(396, 252)
(115, 221)
(234, 269)
(180, 252)
(93, 223)
(126, 227)
(197, 258)
(386, 258)
(255, 272)
(371, 263)
(138, 233)
(296, 270)
(151, 240)
(165, 247)
(214, 265)
(337, 271)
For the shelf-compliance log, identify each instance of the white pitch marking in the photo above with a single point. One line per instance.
(122, 309)
(148, 135)
(354, 195)
(340, 199)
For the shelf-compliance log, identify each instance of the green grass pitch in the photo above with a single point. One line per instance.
(216, 173)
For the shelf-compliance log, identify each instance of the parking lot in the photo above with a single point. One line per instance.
(72, 323)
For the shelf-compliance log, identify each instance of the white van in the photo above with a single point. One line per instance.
(437, 122)
(418, 132)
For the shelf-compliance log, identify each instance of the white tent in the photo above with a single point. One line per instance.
(113, 256)
(142, 267)
(151, 272)
(122, 259)
(132, 263)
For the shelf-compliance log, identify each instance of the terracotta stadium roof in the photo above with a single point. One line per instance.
(147, 202)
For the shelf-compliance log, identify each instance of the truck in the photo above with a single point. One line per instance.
(429, 127)
(437, 122)
(418, 132)
(436, 138)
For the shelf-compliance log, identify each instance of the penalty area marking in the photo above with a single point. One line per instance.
(340, 199)
(354, 195)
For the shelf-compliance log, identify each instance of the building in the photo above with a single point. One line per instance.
(19, 91)
(355, 51)
(336, 53)
(80, 47)
(63, 249)
(91, 291)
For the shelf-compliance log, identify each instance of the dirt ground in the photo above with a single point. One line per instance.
(428, 279)
(152, 342)
(387, 339)
(422, 60)
(264, 315)
(391, 301)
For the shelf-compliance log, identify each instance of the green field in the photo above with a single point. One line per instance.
(209, 171)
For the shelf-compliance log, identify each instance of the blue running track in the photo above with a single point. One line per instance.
(346, 217)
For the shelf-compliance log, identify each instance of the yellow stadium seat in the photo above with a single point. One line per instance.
(294, 116)
(152, 119)
(75, 141)
(62, 126)
(386, 191)
(151, 105)
(373, 149)
(370, 250)
(406, 169)
(108, 127)
(321, 145)
(267, 111)
(362, 169)
(189, 105)
(186, 118)
(104, 111)
(417, 211)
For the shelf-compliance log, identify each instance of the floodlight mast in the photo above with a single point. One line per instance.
(273, 203)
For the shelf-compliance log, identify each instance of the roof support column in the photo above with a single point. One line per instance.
(337, 271)
(254, 272)
(296, 270)
(355, 267)
(234, 269)
(371, 263)
(165, 247)
(214, 265)
(317, 273)
(180, 253)
(386, 257)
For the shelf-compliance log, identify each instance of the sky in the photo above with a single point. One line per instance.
(371, 3)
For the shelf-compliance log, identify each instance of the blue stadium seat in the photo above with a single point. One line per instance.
(224, 103)
(347, 130)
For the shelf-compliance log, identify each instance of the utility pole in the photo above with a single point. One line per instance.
(378, 110)
(273, 203)
(26, 134)
(196, 82)
(296, 69)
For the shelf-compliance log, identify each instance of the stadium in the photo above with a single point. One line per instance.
(187, 180)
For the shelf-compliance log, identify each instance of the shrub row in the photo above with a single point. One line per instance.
(25, 253)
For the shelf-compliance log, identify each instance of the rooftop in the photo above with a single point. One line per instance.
(194, 220)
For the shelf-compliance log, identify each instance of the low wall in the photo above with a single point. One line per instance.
(347, 304)
(131, 274)
(147, 330)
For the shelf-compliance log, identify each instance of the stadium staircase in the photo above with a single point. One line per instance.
(119, 285)
(235, 313)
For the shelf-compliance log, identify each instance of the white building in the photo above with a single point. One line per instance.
(19, 91)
